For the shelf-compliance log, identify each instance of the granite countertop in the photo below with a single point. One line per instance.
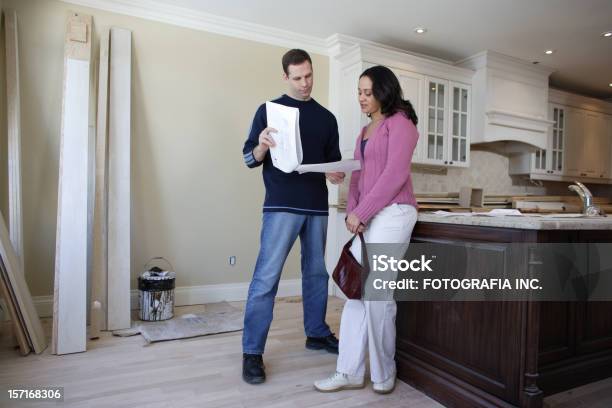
(522, 222)
(519, 222)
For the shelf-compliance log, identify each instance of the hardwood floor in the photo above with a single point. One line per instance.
(206, 372)
(198, 372)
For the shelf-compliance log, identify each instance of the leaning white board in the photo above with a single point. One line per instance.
(70, 292)
(119, 189)
(14, 133)
(99, 274)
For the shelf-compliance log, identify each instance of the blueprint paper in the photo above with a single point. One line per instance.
(344, 166)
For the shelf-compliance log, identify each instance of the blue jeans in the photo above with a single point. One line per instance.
(278, 234)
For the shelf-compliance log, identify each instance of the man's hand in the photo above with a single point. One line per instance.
(266, 141)
(335, 178)
(353, 224)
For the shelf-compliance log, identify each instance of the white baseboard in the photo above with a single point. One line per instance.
(185, 295)
(230, 292)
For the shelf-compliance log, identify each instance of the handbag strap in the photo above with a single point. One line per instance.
(364, 253)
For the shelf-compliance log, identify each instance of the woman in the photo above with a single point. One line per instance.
(382, 205)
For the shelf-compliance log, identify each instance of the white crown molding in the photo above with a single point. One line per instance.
(184, 295)
(197, 20)
(579, 101)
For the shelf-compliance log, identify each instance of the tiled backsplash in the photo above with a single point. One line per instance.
(489, 171)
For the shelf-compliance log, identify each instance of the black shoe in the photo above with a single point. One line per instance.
(253, 368)
(329, 343)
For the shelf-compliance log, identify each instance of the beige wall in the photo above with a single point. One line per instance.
(194, 95)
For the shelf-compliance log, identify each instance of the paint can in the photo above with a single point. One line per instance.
(156, 291)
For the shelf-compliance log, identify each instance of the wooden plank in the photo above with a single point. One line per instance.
(19, 291)
(14, 133)
(100, 234)
(70, 293)
(10, 304)
(119, 189)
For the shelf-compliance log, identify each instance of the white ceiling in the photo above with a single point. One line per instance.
(456, 29)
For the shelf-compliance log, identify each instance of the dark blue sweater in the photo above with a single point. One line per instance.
(293, 192)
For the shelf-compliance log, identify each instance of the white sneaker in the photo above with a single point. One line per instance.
(385, 387)
(339, 381)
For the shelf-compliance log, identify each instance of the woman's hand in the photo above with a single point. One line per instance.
(353, 224)
(335, 177)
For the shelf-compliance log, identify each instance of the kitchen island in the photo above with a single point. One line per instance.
(506, 354)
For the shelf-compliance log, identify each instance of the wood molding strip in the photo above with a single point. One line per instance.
(70, 291)
(119, 188)
(14, 133)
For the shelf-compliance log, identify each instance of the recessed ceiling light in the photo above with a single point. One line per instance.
(420, 30)
(607, 34)
(548, 52)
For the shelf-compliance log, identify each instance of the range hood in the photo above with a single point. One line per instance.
(509, 103)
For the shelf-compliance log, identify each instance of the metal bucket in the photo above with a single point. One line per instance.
(156, 292)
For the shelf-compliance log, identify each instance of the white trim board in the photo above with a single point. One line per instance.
(72, 236)
(119, 188)
(189, 295)
(13, 119)
(99, 275)
(189, 18)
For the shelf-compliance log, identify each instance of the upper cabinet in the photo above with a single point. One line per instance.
(439, 92)
(579, 144)
(552, 159)
(446, 137)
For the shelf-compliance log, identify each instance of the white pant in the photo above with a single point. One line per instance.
(371, 324)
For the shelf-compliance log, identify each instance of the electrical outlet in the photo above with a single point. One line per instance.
(232, 260)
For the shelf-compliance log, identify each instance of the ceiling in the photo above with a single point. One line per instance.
(456, 29)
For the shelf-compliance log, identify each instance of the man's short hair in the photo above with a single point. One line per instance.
(294, 57)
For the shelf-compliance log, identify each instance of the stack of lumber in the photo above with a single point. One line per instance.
(450, 202)
(526, 204)
(557, 204)
(93, 220)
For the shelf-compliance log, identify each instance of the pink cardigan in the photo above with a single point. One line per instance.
(384, 177)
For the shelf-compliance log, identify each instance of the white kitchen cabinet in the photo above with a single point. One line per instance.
(574, 148)
(551, 160)
(459, 125)
(588, 145)
(578, 148)
(447, 123)
(610, 150)
(413, 88)
(450, 102)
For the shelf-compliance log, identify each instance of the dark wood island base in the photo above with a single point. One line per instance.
(502, 354)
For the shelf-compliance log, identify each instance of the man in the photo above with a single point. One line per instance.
(295, 205)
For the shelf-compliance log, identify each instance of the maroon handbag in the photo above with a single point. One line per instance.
(349, 274)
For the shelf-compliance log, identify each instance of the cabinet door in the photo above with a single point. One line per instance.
(574, 125)
(610, 149)
(350, 118)
(595, 148)
(459, 126)
(412, 88)
(551, 159)
(436, 121)
(556, 141)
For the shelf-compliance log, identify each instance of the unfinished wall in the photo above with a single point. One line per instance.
(194, 94)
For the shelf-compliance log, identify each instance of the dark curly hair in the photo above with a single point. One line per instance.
(388, 92)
